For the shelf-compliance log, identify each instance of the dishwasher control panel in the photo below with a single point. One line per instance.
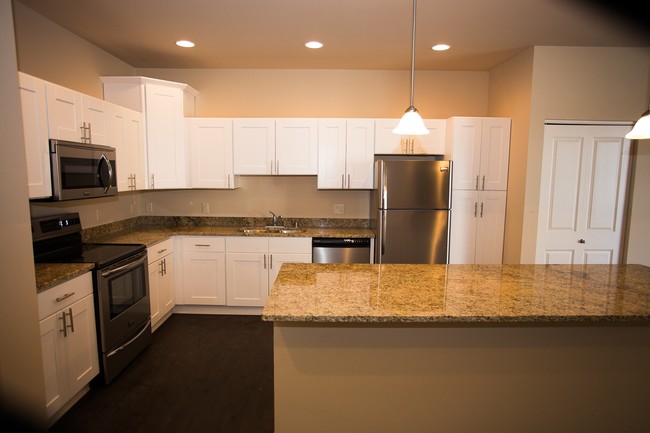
(340, 250)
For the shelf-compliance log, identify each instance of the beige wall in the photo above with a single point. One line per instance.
(580, 84)
(510, 96)
(638, 236)
(50, 52)
(22, 387)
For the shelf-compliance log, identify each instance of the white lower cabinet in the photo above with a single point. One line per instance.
(68, 340)
(253, 263)
(161, 281)
(204, 270)
(477, 227)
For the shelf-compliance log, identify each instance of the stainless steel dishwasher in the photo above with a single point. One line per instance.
(340, 250)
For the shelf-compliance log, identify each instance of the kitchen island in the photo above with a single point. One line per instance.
(461, 348)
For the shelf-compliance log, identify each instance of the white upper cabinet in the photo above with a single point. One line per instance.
(73, 116)
(127, 136)
(164, 105)
(210, 150)
(345, 153)
(388, 143)
(34, 112)
(479, 148)
(275, 147)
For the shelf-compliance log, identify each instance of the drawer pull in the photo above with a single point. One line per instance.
(64, 297)
(202, 245)
(162, 251)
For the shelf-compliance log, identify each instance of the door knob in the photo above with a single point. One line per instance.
(582, 241)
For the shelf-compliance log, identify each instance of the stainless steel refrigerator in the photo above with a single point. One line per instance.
(411, 209)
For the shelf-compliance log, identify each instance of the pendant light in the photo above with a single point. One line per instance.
(411, 122)
(641, 130)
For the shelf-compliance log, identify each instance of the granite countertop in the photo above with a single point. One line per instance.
(154, 234)
(49, 275)
(157, 229)
(459, 293)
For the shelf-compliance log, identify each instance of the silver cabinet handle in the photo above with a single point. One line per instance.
(90, 134)
(201, 245)
(481, 210)
(66, 296)
(348, 181)
(71, 319)
(65, 325)
(582, 241)
(475, 209)
(342, 180)
(264, 261)
(476, 185)
(483, 184)
(270, 261)
(162, 251)
(228, 181)
(152, 182)
(277, 166)
(271, 166)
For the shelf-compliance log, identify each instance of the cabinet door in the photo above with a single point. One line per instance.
(95, 113)
(432, 143)
(296, 146)
(254, 146)
(247, 279)
(165, 137)
(388, 143)
(134, 143)
(495, 150)
(64, 113)
(34, 113)
(464, 148)
(81, 345)
(211, 152)
(118, 125)
(155, 273)
(276, 260)
(490, 227)
(166, 286)
(204, 277)
(331, 153)
(53, 363)
(462, 233)
(359, 153)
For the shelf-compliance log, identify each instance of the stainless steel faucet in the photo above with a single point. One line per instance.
(277, 219)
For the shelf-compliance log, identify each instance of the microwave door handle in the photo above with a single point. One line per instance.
(104, 160)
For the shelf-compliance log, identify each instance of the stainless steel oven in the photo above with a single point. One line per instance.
(121, 287)
(81, 170)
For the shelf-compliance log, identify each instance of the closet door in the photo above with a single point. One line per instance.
(582, 194)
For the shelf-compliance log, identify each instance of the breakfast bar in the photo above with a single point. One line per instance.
(461, 348)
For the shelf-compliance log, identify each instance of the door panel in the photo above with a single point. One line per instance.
(582, 194)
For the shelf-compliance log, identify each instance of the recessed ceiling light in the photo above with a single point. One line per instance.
(440, 47)
(185, 44)
(314, 44)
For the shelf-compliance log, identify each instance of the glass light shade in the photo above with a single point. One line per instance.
(641, 128)
(411, 123)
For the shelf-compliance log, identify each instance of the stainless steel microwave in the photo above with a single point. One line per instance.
(82, 170)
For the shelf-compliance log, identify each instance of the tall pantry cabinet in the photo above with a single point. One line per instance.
(479, 148)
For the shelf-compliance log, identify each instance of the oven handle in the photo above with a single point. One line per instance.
(104, 160)
(131, 265)
(144, 328)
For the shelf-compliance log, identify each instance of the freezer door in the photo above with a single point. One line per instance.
(413, 184)
(414, 237)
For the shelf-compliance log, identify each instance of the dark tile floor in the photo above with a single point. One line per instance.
(202, 373)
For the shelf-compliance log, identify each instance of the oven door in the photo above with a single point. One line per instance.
(123, 300)
(82, 170)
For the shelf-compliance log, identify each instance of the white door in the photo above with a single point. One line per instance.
(584, 183)
(97, 119)
(495, 151)
(254, 146)
(491, 218)
(64, 113)
(462, 236)
(247, 279)
(204, 277)
(360, 147)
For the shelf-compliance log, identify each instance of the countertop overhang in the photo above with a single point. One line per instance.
(394, 293)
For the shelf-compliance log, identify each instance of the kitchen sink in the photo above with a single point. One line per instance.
(270, 229)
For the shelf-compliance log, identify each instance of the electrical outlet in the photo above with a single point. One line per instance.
(205, 207)
(148, 207)
(339, 209)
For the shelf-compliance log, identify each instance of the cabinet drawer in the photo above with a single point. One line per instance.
(240, 244)
(204, 243)
(290, 245)
(64, 295)
(160, 250)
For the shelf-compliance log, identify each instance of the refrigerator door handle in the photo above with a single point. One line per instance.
(383, 236)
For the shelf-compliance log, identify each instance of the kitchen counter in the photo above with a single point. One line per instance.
(460, 348)
(459, 293)
(49, 275)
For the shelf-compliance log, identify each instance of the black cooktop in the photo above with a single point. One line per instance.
(57, 239)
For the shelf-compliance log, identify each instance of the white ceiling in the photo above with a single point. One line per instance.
(358, 34)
